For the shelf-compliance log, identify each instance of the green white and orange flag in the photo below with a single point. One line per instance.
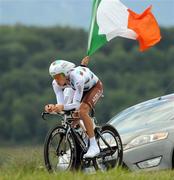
(111, 18)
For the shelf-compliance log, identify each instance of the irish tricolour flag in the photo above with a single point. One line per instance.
(111, 18)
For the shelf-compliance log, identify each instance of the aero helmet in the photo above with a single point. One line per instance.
(60, 66)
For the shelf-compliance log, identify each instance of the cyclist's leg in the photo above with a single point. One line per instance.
(84, 114)
(88, 102)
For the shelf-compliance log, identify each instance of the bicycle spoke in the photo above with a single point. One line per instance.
(109, 150)
(59, 152)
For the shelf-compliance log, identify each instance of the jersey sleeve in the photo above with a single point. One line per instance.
(58, 92)
(68, 94)
(79, 87)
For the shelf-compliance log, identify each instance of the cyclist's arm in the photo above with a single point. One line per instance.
(79, 86)
(58, 92)
(68, 94)
(85, 61)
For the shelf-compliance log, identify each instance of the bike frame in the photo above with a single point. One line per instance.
(67, 122)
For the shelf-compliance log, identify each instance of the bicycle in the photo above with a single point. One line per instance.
(65, 146)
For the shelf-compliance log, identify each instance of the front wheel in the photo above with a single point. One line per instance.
(59, 150)
(110, 145)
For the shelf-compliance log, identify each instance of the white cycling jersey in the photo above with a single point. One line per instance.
(81, 79)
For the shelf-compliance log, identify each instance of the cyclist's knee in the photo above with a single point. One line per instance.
(84, 110)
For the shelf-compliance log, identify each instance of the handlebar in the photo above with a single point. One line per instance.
(45, 113)
(69, 112)
(64, 112)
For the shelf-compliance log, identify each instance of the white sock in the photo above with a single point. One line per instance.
(93, 141)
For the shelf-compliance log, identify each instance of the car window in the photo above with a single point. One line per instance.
(142, 114)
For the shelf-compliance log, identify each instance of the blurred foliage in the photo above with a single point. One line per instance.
(129, 76)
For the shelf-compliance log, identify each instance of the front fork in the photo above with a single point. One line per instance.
(68, 128)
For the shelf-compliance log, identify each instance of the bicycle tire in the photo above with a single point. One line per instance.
(118, 161)
(52, 132)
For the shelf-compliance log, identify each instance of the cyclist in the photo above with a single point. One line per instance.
(86, 89)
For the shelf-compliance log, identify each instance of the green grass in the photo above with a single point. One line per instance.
(26, 163)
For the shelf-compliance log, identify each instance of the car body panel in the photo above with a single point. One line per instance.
(150, 117)
(149, 151)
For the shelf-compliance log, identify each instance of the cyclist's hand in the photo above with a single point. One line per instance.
(58, 108)
(49, 108)
(85, 61)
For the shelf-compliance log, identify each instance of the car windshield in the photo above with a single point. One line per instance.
(145, 113)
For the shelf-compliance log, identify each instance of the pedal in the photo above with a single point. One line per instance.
(92, 158)
(87, 162)
(88, 158)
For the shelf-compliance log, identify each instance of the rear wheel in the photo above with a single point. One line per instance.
(113, 154)
(59, 152)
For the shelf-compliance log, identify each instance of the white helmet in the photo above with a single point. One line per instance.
(60, 66)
